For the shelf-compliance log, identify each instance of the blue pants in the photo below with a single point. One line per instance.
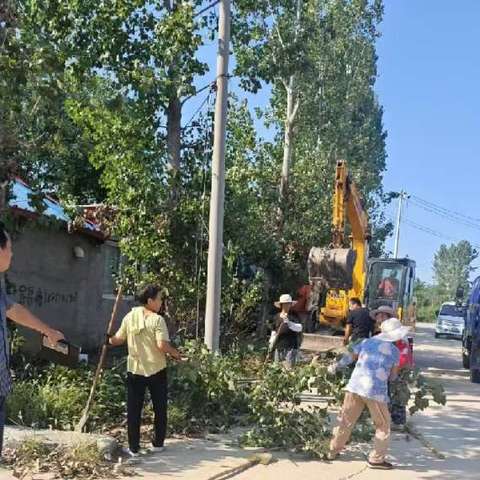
(2, 421)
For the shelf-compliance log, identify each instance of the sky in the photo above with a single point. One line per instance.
(428, 84)
(429, 71)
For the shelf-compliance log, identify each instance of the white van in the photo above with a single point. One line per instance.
(450, 320)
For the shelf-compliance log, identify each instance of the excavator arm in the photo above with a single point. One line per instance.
(342, 268)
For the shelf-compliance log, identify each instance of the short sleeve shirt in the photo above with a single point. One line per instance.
(361, 322)
(143, 333)
(5, 378)
(376, 359)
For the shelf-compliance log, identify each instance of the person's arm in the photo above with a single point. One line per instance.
(344, 362)
(348, 333)
(394, 372)
(21, 316)
(163, 340)
(294, 327)
(116, 340)
(166, 347)
(121, 336)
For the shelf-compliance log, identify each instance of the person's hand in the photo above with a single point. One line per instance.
(177, 356)
(345, 342)
(54, 336)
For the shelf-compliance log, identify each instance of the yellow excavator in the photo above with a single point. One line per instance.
(345, 270)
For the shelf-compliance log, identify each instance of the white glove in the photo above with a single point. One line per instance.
(295, 327)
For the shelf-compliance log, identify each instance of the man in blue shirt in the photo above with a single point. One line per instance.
(377, 361)
(19, 315)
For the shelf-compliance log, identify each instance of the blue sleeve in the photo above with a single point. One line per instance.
(9, 303)
(5, 300)
(396, 356)
(357, 348)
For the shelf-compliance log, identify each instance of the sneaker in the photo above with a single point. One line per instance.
(131, 453)
(332, 456)
(380, 466)
(154, 449)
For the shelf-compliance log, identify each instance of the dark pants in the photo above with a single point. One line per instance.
(136, 387)
(398, 414)
(2, 421)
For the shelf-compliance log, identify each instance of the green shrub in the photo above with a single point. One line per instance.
(24, 406)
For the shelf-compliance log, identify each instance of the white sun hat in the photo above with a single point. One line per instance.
(285, 298)
(392, 330)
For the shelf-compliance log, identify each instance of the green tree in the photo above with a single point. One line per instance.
(452, 266)
(429, 298)
(38, 139)
(320, 59)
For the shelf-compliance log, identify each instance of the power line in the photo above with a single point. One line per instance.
(208, 7)
(198, 110)
(437, 209)
(450, 218)
(433, 232)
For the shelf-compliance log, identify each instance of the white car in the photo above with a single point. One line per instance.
(450, 320)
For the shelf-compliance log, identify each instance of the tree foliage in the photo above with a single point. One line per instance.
(92, 103)
(452, 266)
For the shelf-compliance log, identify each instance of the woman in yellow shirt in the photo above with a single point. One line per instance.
(146, 334)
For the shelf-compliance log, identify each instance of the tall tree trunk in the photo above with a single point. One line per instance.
(288, 140)
(174, 125)
(174, 132)
(291, 113)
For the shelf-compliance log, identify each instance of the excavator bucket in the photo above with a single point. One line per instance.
(332, 266)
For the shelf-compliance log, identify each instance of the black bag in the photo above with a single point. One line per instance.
(63, 353)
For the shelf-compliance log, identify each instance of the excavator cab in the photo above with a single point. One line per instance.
(390, 282)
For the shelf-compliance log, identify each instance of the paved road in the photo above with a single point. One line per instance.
(453, 430)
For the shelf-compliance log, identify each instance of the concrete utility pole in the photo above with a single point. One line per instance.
(215, 246)
(401, 197)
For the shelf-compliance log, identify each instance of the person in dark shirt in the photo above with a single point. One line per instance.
(287, 333)
(360, 324)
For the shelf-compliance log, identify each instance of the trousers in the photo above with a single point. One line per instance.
(136, 388)
(353, 407)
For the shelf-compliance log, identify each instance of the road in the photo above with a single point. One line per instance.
(452, 431)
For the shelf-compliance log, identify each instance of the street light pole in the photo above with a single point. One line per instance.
(215, 246)
(401, 197)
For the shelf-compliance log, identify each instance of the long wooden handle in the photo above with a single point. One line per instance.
(86, 412)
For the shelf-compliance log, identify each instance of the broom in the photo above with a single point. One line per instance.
(86, 412)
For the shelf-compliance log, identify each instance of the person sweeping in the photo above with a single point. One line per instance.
(146, 334)
(377, 361)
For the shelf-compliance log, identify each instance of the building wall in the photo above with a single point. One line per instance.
(66, 292)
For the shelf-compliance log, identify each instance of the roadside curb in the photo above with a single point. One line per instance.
(415, 433)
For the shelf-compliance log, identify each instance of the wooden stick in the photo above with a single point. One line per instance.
(86, 412)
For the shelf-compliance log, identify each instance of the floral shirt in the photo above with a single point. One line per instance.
(376, 359)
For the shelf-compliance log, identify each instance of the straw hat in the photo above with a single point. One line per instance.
(285, 298)
(392, 330)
